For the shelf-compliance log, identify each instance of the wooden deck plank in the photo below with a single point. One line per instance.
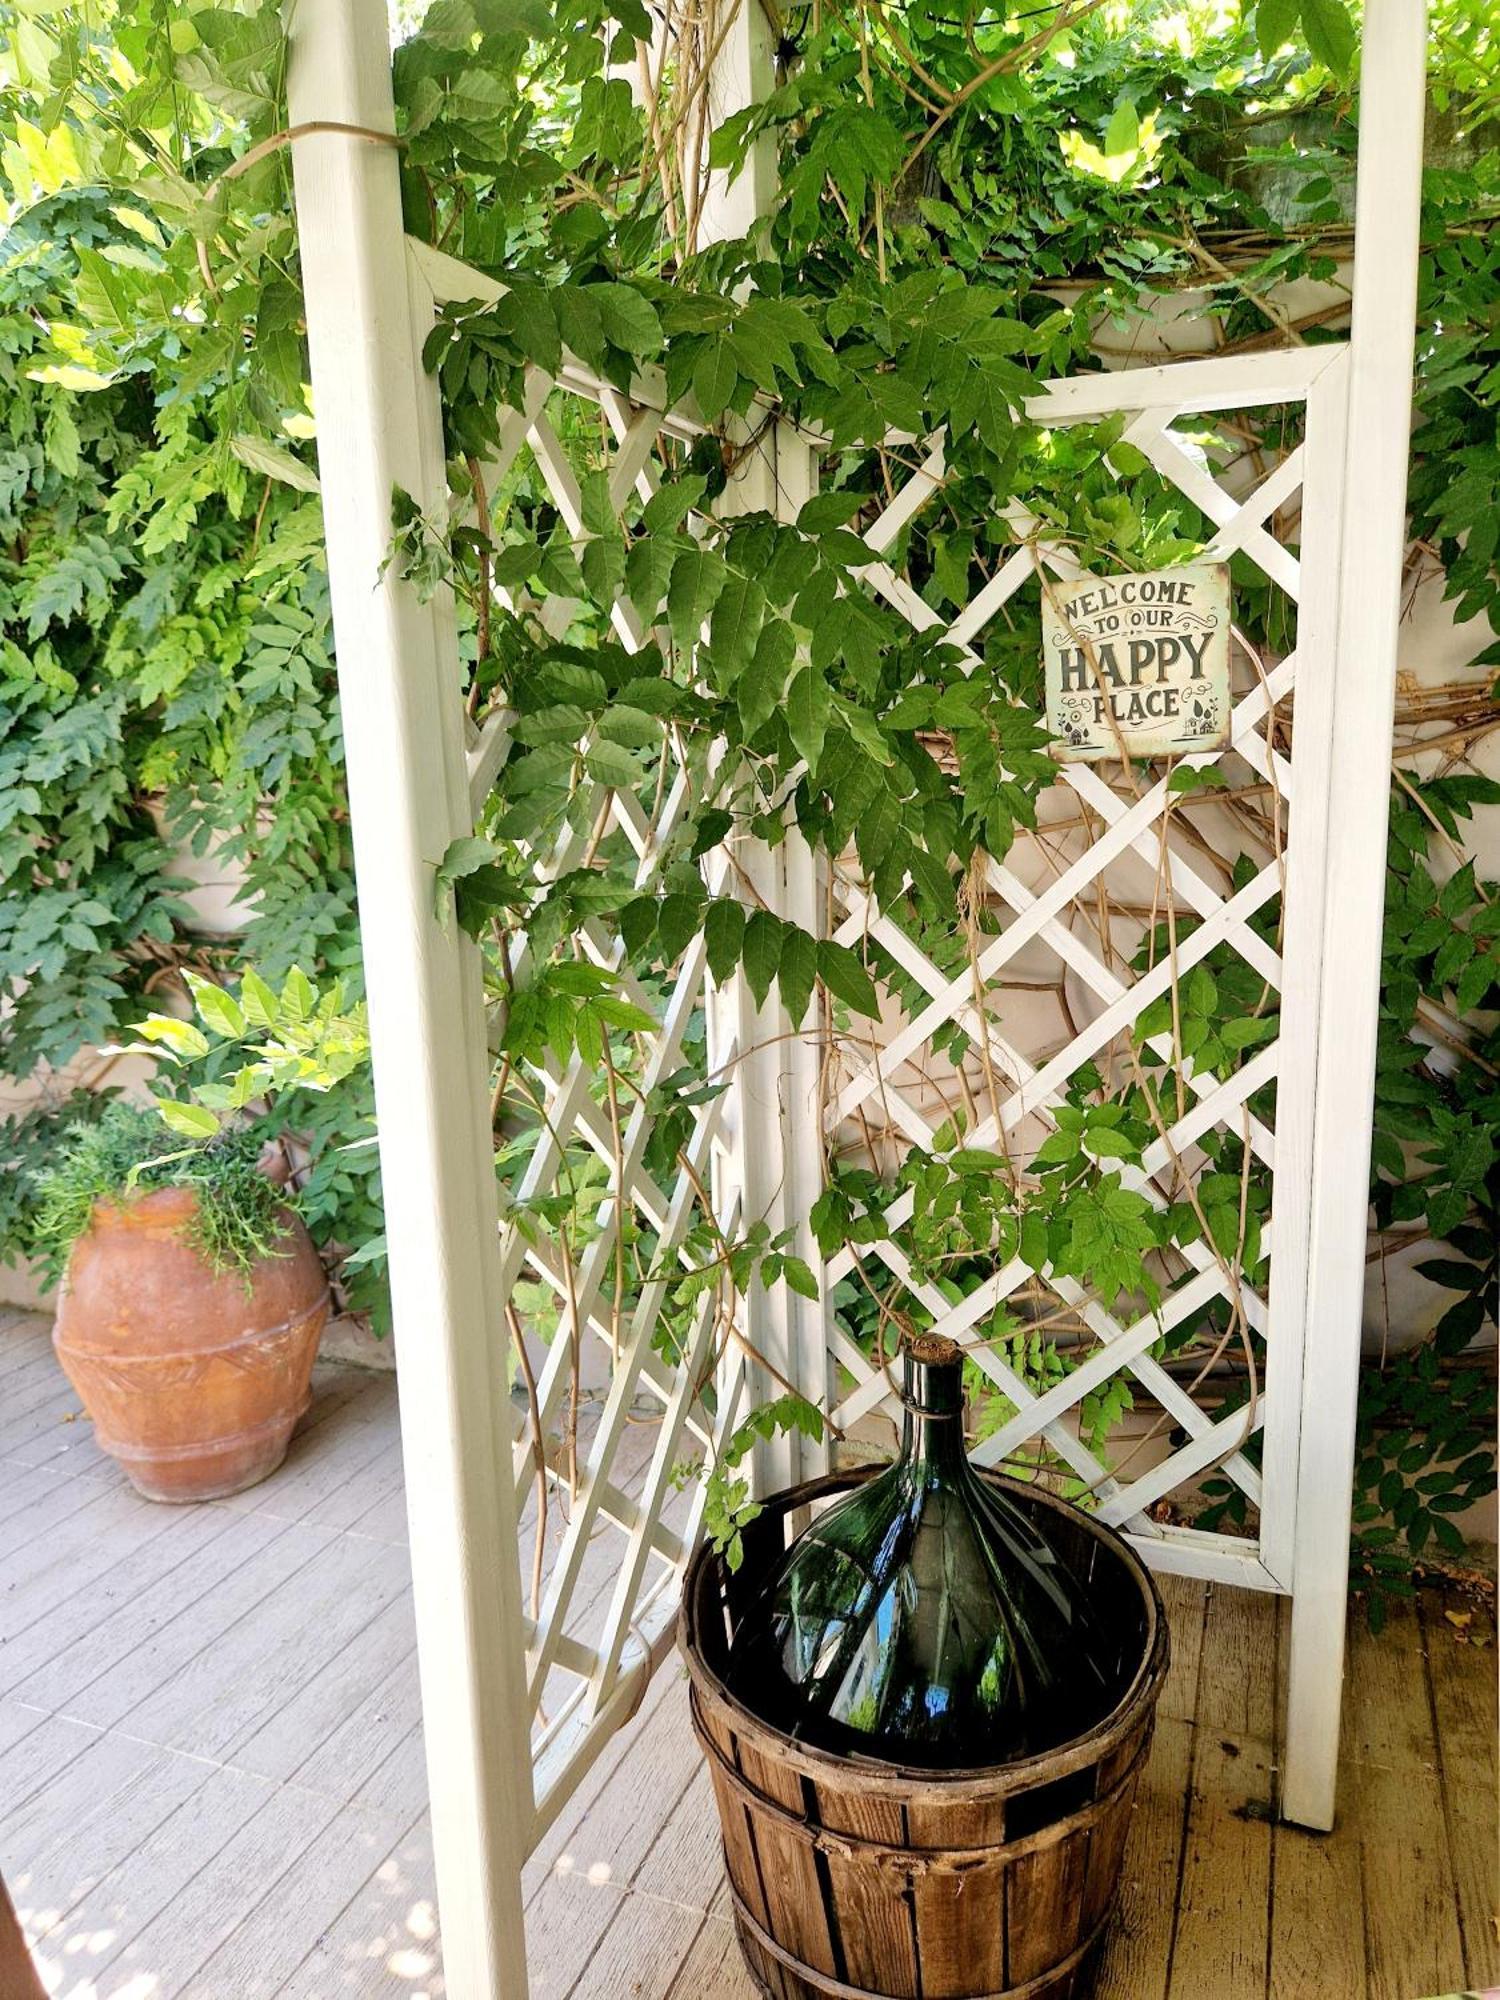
(92, 1542)
(1317, 1908)
(46, 1430)
(290, 1855)
(282, 1744)
(265, 1949)
(684, 1864)
(28, 1389)
(377, 1481)
(104, 1768)
(230, 1689)
(89, 1935)
(1137, 1947)
(113, 1669)
(384, 1943)
(1413, 1942)
(1221, 1945)
(25, 1339)
(565, 1921)
(40, 1747)
(399, 1783)
(713, 1968)
(641, 1946)
(351, 1754)
(165, 1955)
(1460, 1655)
(62, 1867)
(347, 1426)
(37, 1633)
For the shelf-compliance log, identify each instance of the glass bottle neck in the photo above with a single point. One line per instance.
(933, 1391)
(933, 1441)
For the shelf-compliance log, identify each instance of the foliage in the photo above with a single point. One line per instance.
(239, 1214)
(260, 1050)
(962, 199)
(728, 1508)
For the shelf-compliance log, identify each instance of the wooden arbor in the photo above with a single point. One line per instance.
(417, 777)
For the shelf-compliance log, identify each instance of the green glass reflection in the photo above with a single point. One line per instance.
(927, 1618)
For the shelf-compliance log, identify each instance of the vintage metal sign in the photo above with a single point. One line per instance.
(1138, 666)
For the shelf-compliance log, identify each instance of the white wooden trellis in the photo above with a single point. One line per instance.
(486, 1668)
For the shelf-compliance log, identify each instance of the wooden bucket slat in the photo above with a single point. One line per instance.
(875, 1928)
(740, 1857)
(961, 1932)
(790, 1870)
(1044, 1897)
(957, 1823)
(858, 1880)
(1110, 1836)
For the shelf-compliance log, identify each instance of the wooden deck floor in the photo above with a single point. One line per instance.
(211, 1780)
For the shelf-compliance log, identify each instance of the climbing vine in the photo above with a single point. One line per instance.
(967, 198)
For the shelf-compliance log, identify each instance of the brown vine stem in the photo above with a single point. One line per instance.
(538, 1453)
(1011, 60)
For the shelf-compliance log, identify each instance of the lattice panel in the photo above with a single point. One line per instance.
(630, 1385)
(1074, 908)
(1067, 915)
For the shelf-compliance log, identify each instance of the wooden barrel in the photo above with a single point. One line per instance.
(856, 1879)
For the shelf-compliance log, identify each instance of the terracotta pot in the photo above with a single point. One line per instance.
(194, 1379)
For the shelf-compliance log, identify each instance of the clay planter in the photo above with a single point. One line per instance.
(856, 1879)
(194, 1379)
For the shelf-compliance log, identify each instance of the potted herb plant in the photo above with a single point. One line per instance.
(191, 1304)
(192, 1297)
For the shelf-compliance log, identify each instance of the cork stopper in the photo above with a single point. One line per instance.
(934, 1375)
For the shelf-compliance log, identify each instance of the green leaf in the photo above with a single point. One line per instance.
(612, 765)
(1330, 33)
(1123, 132)
(762, 953)
(463, 857)
(298, 996)
(846, 978)
(629, 321)
(257, 1000)
(1034, 1239)
(724, 936)
(528, 316)
(680, 918)
(1276, 23)
(215, 1008)
(799, 1278)
(735, 627)
(797, 973)
(715, 378)
(184, 1040)
(763, 681)
(808, 707)
(193, 1121)
(273, 463)
(638, 926)
(698, 576)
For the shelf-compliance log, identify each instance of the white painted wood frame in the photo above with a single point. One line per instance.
(1393, 100)
(414, 783)
(379, 426)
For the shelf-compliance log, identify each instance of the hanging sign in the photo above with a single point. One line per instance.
(1138, 666)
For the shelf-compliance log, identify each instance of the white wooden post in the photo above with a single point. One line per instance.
(1392, 101)
(743, 73)
(378, 428)
(778, 1121)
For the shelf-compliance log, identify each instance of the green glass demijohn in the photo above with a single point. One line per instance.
(929, 1619)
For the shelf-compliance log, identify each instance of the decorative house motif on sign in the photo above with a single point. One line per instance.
(1138, 666)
